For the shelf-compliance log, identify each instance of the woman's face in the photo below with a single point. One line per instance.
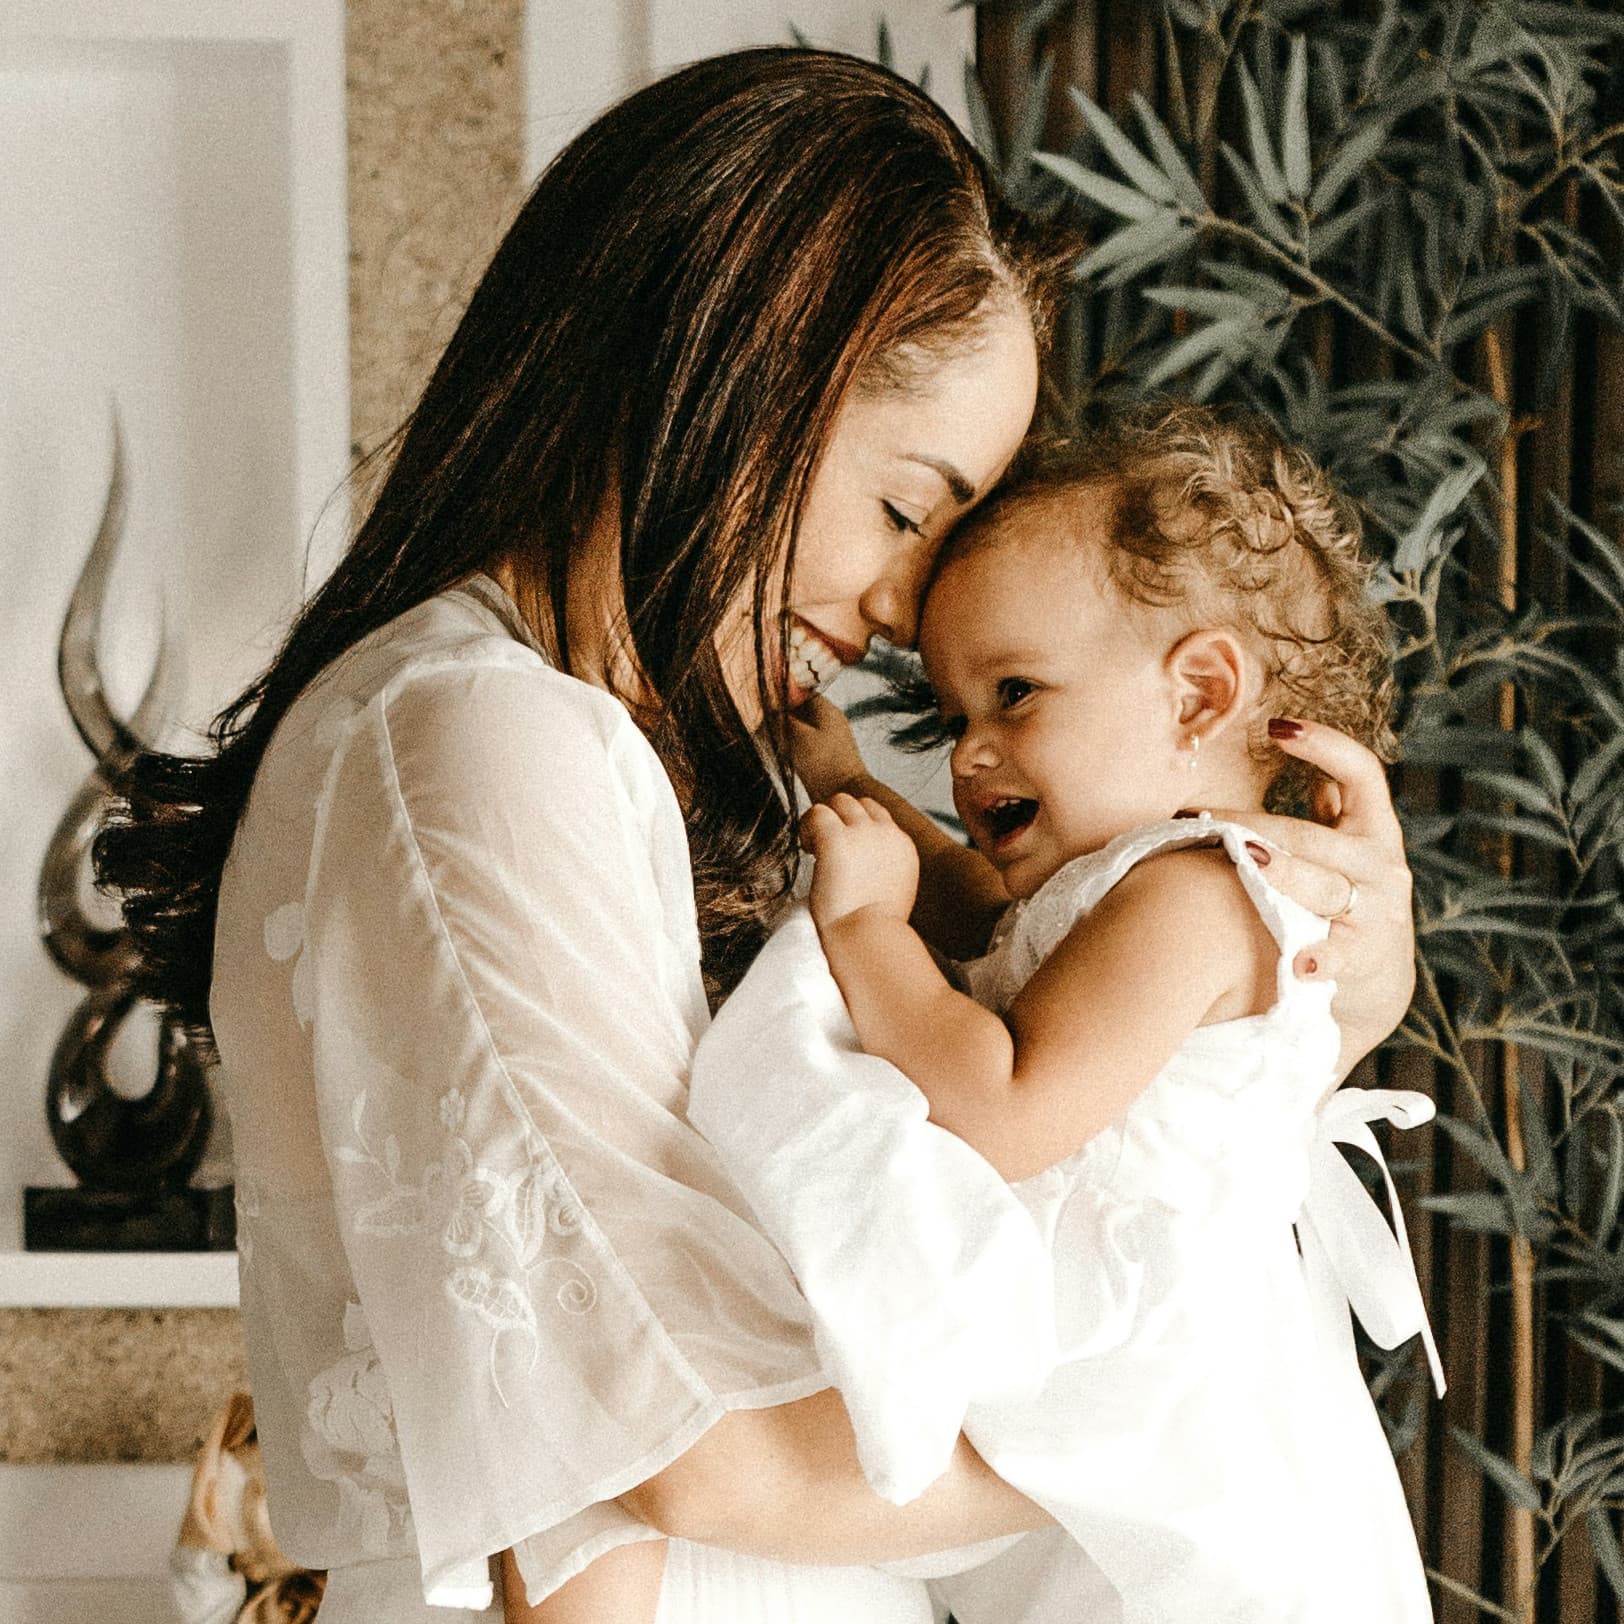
(898, 470)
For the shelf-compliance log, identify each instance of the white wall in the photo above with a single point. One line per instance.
(170, 171)
(582, 57)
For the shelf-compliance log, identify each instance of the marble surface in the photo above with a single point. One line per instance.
(113, 1384)
(435, 118)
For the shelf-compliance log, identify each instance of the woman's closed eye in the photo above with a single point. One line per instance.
(900, 522)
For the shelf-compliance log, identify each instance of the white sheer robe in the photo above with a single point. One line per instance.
(491, 1277)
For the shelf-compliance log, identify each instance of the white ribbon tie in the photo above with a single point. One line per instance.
(1351, 1257)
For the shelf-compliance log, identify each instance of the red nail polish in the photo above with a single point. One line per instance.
(1186, 812)
(1281, 728)
(1259, 854)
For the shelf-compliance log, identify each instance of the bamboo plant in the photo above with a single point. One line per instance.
(1386, 226)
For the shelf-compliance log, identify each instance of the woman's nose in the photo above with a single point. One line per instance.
(891, 604)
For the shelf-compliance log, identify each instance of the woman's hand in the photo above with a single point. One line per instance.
(1349, 869)
(824, 748)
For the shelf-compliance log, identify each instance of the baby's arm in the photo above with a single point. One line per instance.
(959, 895)
(1172, 946)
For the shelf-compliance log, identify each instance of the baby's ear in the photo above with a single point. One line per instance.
(1214, 679)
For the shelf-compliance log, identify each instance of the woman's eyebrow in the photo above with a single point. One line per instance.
(960, 488)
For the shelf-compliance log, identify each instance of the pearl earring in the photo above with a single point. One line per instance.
(1195, 752)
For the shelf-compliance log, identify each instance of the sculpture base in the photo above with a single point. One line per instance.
(57, 1219)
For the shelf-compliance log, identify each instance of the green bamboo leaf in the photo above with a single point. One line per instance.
(1145, 241)
(1483, 1150)
(1601, 1338)
(1540, 1154)
(1258, 286)
(982, 130)
(1589, 1048)
(1543, 834)
(1294, 127)
(1257, 200)
(1196, 346)
(1109, 194)
(1613, 1183)
(1484, 1212)
(1327, 236)
(1521, 790)
(1185, 186)
(1511, 1483)
(1604, 1541)
(1597, 770)
(1178, 99)
(1269, 176)
(1546, 761)
(1211, 375)
(1212, 302)
(1420, 542)
(1124, 154)
(1029, 131)
(1466, 745)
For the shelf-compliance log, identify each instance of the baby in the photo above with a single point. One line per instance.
(1114, 639)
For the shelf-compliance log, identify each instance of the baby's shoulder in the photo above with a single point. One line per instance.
(1189, 906)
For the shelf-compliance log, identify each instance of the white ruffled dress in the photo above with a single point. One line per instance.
(1168, 1364)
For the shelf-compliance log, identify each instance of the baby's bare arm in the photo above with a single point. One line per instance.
(960, 895)
(1174, 945)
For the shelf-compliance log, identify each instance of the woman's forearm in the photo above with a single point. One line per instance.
(621, 1587)
(785, 1483)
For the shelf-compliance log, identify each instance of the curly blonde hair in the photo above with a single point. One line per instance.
(1215, 515)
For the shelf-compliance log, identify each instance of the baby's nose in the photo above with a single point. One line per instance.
(972, 751)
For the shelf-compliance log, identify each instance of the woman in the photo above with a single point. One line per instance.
(758, 338)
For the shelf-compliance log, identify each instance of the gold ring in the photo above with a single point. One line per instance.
(1347, 907)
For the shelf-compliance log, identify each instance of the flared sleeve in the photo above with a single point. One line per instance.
(500, 982)
(930, 1283)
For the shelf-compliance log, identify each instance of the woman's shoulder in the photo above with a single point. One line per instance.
(451, 689)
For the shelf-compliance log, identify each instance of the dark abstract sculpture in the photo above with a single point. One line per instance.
(132, 1155)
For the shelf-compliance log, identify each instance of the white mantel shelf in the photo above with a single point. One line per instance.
(118, 1279)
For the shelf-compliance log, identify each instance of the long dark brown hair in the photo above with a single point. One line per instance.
(675, 317)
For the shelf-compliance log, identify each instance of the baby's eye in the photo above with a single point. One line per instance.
(1012, 690)
(899, 521)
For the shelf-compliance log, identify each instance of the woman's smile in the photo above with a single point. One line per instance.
(815, 659)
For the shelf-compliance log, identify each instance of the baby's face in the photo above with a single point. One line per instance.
(1066, 720)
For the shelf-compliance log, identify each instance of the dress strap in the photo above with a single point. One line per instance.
(1350, 1256)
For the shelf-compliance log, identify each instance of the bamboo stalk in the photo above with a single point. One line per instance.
(1523, 1569)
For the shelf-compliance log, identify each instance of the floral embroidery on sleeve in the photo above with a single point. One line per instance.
(349, 1438)
(492, 1226)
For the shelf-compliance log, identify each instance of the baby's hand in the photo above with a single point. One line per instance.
(863, 860)
(823, 748)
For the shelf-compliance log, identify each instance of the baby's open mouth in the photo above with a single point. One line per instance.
(1008, 817)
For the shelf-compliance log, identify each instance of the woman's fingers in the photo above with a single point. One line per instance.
(1318, 887)
(1365, 806)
